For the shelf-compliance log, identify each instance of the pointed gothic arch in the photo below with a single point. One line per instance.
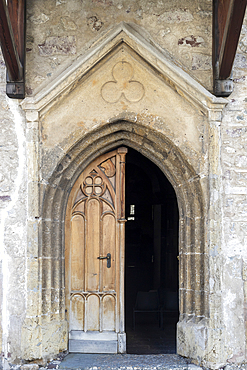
(193, 269)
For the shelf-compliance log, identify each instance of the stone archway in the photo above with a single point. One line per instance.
(193, 270)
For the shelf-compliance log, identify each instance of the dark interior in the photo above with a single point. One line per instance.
(151, 255)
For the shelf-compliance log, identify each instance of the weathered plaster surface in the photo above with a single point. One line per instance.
(13, 198)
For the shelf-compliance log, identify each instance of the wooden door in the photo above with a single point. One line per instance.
(94, 257)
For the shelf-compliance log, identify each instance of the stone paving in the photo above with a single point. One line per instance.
(126, 361)
(79, 361)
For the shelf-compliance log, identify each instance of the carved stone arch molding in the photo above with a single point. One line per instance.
(193, 279)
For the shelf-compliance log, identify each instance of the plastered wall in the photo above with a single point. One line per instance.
(13, 233)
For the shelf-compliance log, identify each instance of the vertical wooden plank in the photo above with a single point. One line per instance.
(16, 10)
(119, 295)
(233, 25)
(122, 153)
(108, 303)
(8, 45)
(77, 252)
(220, 11)
(93, 307)
(121, 180)
(93, 244)
(109, 246)
(228, 18)
(77, 308)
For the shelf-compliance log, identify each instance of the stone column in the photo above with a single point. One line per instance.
(31, 333)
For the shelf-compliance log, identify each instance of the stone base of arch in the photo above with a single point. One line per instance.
(192, 340)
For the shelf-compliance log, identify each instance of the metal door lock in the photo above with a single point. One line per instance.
(108, 258)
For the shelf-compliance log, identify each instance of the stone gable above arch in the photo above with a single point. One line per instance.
(134, 39)
(124, 76)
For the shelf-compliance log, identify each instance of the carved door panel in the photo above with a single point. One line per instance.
(94, 257)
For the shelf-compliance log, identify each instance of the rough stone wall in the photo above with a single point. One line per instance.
(233, 255)
(60, 30)
(13, 197)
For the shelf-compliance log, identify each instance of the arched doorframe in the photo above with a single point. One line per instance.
(193, 268)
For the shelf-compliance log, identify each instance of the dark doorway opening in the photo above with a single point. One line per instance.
(151, 255)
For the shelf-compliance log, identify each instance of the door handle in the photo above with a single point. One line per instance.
(108, 258)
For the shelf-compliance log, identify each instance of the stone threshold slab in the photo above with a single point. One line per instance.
(76, 361)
